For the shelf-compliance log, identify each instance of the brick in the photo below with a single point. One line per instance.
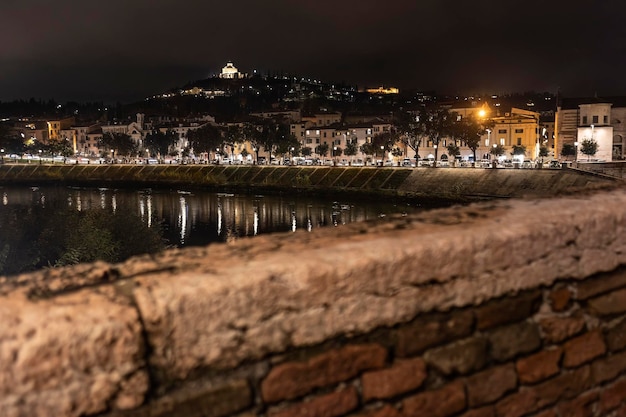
(583, 406)
(510, 341)
(443, 402)
(608, 304)
(293, 379)
(547, 413)
(461, 357)
(488, 411)
(558, 329)
(613, 396)
(605, 282)
(405, 375)
(616, 336)
(507, 310)
(334, 404)
(560, 299)
(385, 411)
(531, 399)
(517, 405)
(488, 386)
(539, 366)
(583, 348)
(433, 330)
(608, 368)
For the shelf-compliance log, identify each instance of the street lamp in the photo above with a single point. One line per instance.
(39, 156)
(2, 154)
(576, 150)
(334, 153)
(291, 156)
(256, 156)
(112, 156)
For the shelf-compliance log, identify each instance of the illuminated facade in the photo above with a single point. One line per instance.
(231, 72)
(603, 120)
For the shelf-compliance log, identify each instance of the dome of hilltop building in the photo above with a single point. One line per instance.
(230, 71)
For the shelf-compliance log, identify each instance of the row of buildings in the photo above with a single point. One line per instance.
(572, 121)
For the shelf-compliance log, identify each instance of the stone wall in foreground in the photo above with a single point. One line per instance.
(512, 308)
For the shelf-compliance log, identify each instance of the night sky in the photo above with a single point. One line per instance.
(129, 49)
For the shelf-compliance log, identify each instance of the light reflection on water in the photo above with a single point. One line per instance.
(198, 218)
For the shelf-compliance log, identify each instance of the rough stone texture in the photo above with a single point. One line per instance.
(433, 330)
(583, 349)
(72, 355)
(539, 366)
(330, 405)
(613, 396)
(443, 402)
(292, 379)
(488, 411)
(200, 315)
(605, 369)
(509, 341)
(582, 406)
(507, 310)
(603, 283)
(490, 385)
(384, 411)
(531, 399)
(616, 336)
(558, 329)
(208, 315)
(609, 304)
(405, 375)
(560, 298)
(461, 357)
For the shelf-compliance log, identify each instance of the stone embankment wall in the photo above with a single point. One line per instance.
(456, 184)
(614, 169)
(509, 308)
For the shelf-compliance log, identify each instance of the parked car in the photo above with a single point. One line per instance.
(554, 165)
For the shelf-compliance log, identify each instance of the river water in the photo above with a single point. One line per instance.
(48, 226)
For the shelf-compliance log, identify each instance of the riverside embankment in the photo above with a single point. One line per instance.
(445, 184)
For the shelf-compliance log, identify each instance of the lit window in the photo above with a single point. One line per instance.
(502, 141)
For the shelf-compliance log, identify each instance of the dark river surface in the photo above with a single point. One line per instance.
(53, 226)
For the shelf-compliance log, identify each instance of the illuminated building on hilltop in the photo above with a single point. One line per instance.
(382, 90)
(231, 72)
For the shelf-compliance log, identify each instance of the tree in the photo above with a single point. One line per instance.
(469, 131)
(518, 150)
(543, 152)
(439, 123)
(160, 142)
(322, 149)
(411, 129)
(368, 148)
(383, 142)
(306, 151)
(119, 143)
(497, 150)
(568, 150)
(453, 150)
(207, 138)
(589, 147)
(351, 148)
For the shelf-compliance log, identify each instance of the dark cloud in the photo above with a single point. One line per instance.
(132, 48)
